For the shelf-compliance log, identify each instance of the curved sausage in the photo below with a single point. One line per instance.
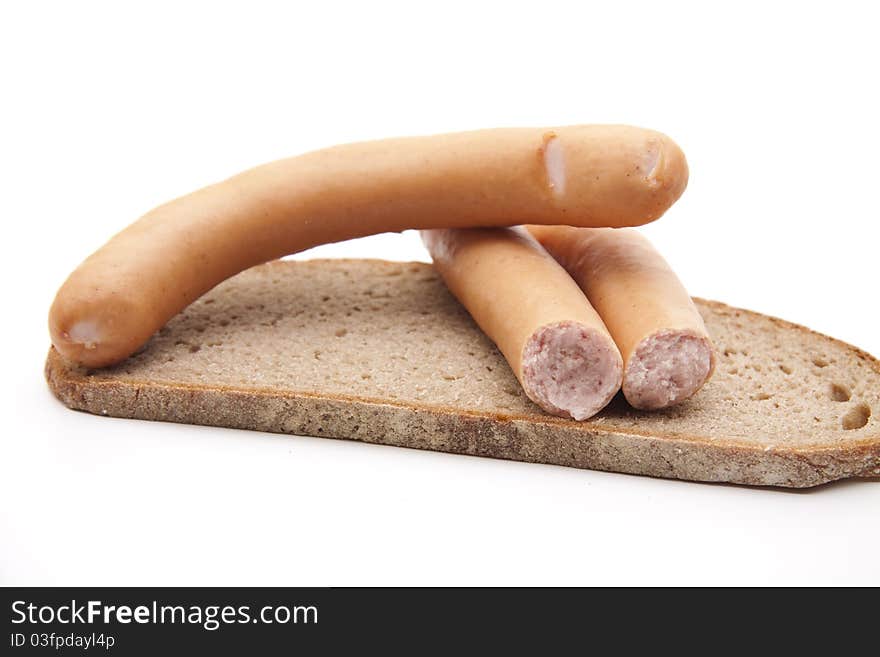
(583, 175)
(555, 343)
(666, 350)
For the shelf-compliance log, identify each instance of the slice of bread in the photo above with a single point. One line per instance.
(380, 352)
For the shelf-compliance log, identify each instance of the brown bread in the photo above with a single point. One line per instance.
(380, 352)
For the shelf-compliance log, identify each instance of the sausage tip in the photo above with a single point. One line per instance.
(668, 170)
(554, 164)
(651, 163)
(85, 333)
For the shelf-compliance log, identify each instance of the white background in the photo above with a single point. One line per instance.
(109, 109)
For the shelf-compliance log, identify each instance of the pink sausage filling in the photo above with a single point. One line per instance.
(571, 370)
(667, 367)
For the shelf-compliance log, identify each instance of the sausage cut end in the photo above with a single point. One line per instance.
(570, 369)
(666, 368)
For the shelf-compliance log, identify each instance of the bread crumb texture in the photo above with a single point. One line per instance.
(381, 352)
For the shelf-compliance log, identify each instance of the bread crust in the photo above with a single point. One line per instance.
(535, 438)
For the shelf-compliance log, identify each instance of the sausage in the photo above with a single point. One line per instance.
(555, 343)
(667, 353)
(583, 175)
